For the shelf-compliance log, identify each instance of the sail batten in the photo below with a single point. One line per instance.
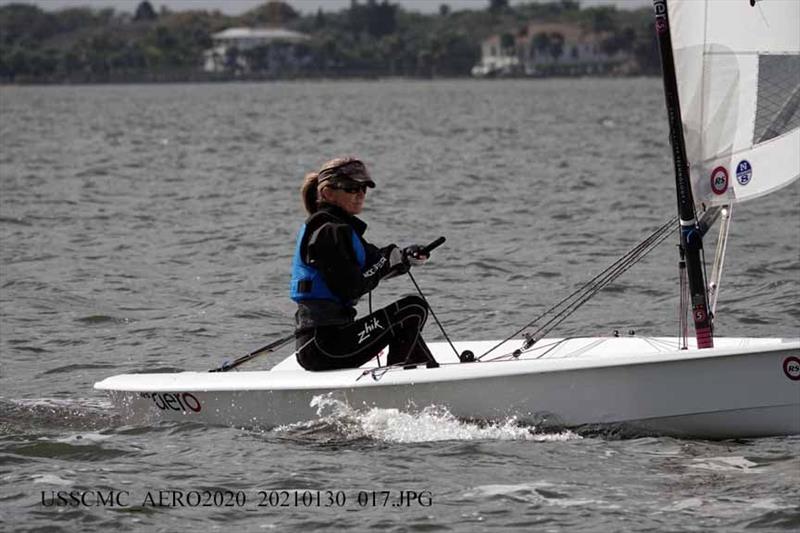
(738, 73)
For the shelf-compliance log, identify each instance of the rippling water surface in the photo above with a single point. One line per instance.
(150, 228)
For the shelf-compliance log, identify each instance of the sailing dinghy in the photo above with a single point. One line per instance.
(732, 87)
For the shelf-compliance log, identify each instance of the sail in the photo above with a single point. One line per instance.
(737, 65)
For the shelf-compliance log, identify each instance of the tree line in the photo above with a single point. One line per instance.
(370, 38)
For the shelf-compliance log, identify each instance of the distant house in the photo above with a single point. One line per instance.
(497, 59)
(541, 49)
(267, 50)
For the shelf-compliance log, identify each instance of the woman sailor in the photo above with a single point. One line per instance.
(334, 266)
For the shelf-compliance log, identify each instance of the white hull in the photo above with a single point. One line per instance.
(740, 388)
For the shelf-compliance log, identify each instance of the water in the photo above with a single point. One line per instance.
(147, 228)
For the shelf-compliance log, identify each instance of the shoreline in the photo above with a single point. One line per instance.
(302, 79)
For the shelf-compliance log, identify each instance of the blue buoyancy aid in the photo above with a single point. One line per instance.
(307, 281)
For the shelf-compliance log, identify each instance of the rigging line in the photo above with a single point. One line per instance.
(597, 287)
(632, 255)
(565, 313)
(433, 314)
(553, 347)
(544, 347)
(577, 293)
(590, 288)
(271, 347)
(655, 344)
(719, 256)
(599, 278)
(663, 344)
(669, 225)
(511, 355)
(562, 315)
(683, 303)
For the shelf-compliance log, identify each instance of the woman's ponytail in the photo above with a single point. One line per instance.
(309, 194)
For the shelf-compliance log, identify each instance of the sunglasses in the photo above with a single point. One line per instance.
(350, 189)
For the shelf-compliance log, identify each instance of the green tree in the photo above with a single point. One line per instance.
(319, 20)
(381, 18)
(461, 52)
(145, 12)
(556, 45)
(603, 18)
(497, 6)
(508, 43)
(25, 24)
(257, 58)
(273, 13)
(232, 58)
(570, 5)
(541, 42)
(75, 19)
(71, 63)
(369, 37)
(372, 18)
(620, 40)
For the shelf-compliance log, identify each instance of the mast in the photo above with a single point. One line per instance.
(691, 240)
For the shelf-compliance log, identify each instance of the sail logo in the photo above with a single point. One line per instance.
(719, 180)
(744, 172)
(791, 367)
(369, 327)
(660, 7)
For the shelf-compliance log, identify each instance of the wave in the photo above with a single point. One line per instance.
(24, 415)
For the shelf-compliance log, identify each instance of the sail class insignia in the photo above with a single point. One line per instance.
(719, 180)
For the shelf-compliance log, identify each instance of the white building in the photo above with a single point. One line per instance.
(256, 49)
(496, 60)
(547, 48)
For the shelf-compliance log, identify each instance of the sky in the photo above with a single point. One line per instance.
(235, 7)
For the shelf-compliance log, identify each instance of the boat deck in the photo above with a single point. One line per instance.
(548, 355)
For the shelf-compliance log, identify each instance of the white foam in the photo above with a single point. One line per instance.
(433, 423)
(51, 479)
(733, 506)
(735, 463)
(528, 492)
(99, 403)
(686, 504)
(82, 438)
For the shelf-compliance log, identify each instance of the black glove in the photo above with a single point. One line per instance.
(415, 255)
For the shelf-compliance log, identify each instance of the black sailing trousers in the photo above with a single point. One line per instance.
(398, 325)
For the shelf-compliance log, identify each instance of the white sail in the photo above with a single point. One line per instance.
(738, 72)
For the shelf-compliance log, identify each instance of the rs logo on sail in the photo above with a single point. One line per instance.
(369, 327)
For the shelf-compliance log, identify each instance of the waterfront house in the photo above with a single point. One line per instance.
(271, 51)
(498, 57)
(542, 49)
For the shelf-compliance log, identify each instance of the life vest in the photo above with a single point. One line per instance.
(308, 283)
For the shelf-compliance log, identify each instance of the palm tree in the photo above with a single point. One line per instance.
(556, 45)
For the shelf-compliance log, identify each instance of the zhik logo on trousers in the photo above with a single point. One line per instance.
(369, 327)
